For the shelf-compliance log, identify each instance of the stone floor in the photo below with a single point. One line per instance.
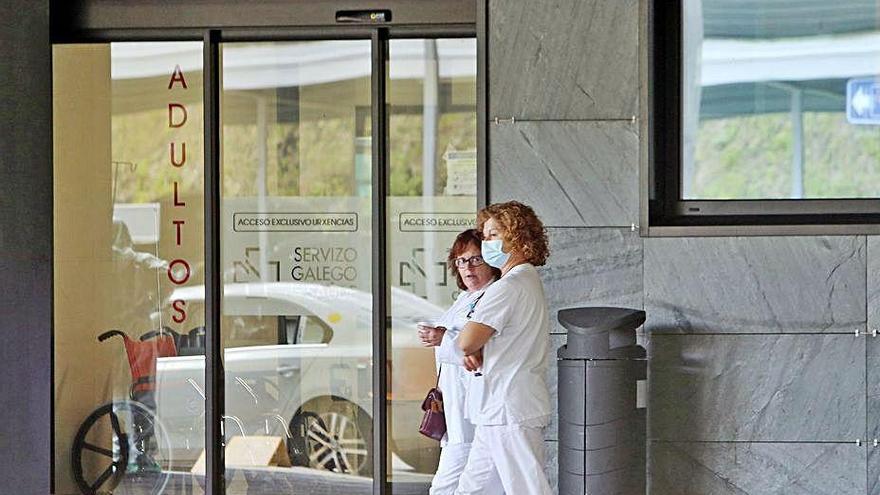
(260, 481)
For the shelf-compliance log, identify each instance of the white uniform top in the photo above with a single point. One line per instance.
(515, 357)
(455, 381)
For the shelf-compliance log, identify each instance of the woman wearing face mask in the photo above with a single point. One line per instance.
(506, 340)
(473, 275)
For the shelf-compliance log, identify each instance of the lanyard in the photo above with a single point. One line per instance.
(471, 312)
(474, 305)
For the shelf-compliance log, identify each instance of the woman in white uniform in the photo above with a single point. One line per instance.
(472, 276)
(506, 341)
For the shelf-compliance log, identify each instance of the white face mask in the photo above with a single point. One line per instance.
(492, 253)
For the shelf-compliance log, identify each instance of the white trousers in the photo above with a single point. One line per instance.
(510, 456)
(453, 458)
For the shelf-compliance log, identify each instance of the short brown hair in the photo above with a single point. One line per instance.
(461, 243)
(522, 229)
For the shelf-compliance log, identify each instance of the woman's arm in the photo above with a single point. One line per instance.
(473, 337)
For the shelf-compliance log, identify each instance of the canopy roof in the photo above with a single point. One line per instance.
(756, 53)
(335, 74)
(761, 19)
(278, 65)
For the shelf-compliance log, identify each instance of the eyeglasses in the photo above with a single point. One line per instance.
(471, 262)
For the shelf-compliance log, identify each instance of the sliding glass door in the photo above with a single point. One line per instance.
(432, 150)
(345, 168)
(296, 247)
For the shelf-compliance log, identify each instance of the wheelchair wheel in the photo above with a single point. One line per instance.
(121, 448)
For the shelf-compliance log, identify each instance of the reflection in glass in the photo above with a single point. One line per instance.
(296, 255)
(432, 197)
(128, 237)
(780, 102)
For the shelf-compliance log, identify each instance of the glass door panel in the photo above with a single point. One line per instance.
(432, 129)
(296, 253)
(128, 241)
(296, 320)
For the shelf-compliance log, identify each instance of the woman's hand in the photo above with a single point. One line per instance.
(474, 361)
(431, 336)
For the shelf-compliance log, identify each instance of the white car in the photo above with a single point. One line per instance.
(298, 365)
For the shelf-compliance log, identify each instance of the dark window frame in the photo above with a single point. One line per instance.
(663, 211)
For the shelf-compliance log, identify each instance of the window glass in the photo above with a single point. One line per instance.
(432, 137)
(781, 100)
(128, 241)
(296, 255)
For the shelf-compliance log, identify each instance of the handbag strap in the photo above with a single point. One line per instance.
(439, 370)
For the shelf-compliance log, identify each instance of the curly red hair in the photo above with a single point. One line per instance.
(523, 230)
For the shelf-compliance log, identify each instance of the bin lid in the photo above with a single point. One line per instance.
(599, 319)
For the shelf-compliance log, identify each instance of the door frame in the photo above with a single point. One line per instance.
(104, 21)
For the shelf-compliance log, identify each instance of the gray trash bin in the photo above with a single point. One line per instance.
(601, 430)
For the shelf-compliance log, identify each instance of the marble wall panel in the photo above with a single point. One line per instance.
(567, 59)
(873, 282)
(755, 284)
(873, 365)
(592, 267)
(756, 469)
(575, 174)
(775, 388)
(551, 463)
(873, 394)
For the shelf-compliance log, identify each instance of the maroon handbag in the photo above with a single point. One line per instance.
(434, 421)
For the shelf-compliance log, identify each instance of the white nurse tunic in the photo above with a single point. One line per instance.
(515, 405)
(456, 385)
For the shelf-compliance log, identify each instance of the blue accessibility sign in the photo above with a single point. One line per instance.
(863, 101)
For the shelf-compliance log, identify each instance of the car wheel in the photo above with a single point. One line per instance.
(332, 434)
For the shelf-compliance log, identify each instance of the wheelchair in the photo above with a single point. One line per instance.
(125, 439)
(129, 443)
